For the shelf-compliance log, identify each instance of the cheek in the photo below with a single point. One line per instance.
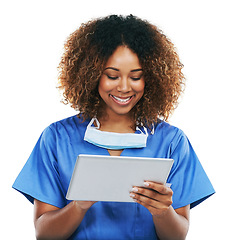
(105, 85)
(139, 86)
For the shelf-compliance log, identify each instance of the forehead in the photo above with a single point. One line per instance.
(123, 57)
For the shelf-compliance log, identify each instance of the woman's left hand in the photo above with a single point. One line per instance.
(156, 197)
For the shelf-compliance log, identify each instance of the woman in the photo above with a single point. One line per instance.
(123, 74)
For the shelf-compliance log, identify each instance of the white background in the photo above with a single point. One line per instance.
(206, 34)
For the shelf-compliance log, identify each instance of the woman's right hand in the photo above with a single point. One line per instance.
(58, 223)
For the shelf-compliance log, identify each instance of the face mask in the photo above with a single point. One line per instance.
(111, 140)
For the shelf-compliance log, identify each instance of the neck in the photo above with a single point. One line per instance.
(117, 123)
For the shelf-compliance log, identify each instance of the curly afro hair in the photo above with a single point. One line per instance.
(88, 49)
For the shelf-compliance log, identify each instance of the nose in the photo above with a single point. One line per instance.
(124, 85)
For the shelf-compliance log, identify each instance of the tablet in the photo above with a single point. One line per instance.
(111, 178)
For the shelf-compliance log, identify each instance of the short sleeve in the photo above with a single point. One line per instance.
(190, 183)
(39, 179)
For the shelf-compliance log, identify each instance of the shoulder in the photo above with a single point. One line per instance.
(167, 136)
(69, 128)
(167, 130)
(69, 122)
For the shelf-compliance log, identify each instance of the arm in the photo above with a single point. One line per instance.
(55, 223)
(170, 224)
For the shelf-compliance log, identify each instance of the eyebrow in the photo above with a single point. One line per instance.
(115, 69)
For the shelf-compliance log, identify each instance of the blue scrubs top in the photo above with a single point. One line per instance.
(47, 174)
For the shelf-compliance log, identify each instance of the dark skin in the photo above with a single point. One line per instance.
(157, 198)
(121, 86)
(169, 223)
(55, 223)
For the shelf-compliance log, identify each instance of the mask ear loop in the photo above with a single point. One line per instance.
(153, 129)
(145, 130)
(141, 124)
(92, 121)
(97, 122)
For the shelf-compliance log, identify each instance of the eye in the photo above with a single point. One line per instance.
(135, 79)
(112, 78)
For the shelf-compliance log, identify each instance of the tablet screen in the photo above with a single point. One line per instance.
(111, 178)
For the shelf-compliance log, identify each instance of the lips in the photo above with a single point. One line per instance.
(121, 100)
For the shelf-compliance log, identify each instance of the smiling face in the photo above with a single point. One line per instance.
(122, 84)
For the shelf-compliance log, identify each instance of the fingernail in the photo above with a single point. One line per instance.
(132, 195)
(134, 189)
(146, 184)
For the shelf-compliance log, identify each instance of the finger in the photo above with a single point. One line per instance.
(159, 187)
(150, 208)
(146, 201)
(149, 193)
(139, 193)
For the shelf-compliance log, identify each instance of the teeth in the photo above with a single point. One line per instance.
(121, 100)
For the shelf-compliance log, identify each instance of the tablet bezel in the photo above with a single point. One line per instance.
(110, 178)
